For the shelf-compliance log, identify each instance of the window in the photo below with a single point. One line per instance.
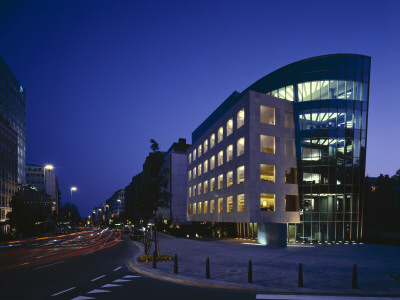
(190, 191)
(267, 202)
(205, 165)
(229, 127)
(220, 134)
(190, 158)
(220, 181)
(240, 118)
(212, 162)
(289, 120)
(221, 205)
(229, 204)
(267, 115)
(199, 189)
(212, 206)
(205, 186)
(240, 174)
(267, 144)
(199, 150)
(212, 184)
(199, 169)
(205, 145)
(290, 149)
(205, 207)
(240, 146)
(194, 208)
(194, 154)
(220, 158)
(229, 178)
(290, 175)
(212, 140)
(291, 203)
(240, 202)
(199, 211)
(229, 153)
(190, 174)
(267, 173)
(190, 209)
(194, 173)
(194, 190)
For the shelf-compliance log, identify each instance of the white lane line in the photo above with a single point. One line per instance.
(97, 278)
(82, 298)
(56, 294)
(59, 262)
(110, 285)
(87, 253)
(316, 297)
(121, 280)
(116, 269)
(98, 291)
(131, 276)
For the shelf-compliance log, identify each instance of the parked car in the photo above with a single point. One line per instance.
(137, 234)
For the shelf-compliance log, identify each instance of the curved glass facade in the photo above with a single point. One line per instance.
(330, 95)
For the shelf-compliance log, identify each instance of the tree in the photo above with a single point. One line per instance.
(153, 193)
(66, 210)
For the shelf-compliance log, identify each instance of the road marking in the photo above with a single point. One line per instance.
(88, 253)
(59, 262)
(316, 297)
(121, 280)
(116, 269)
(98, 291)
(56, 294)
(98, 278)
(131, 276)
(110, 285)
(82, 298)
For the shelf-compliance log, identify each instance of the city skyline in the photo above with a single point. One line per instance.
(101, 80)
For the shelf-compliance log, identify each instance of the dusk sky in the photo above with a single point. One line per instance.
(104, 77)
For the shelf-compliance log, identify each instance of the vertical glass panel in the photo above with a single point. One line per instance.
(212, 140)
(205, 207)
(194, 154)
(357, 119)
(220, 181)
(332, 147)
(357, 148)
(267, 144)
(199, 150)
(306, 91)
(229, 127)
(220, 158)
(221, 205)
(240, 174)
(366, 65)
(229, 153)
(194, 172)
(199, 168)
(300, 92)
(240, 202)
(289, 120)
(190, 158)
(267, 173)
(323, 118)
(333, 86)
(212, 184)
(229, 204)
(267, 115)
(205, 165)
(199, 189)
(194, 208)
(340, 147)
(205, 145)
(357, 90)
(205, 185)
(364, 121)
(199, 210)
(325, 89)
(359, 64)
(332, 118)
(350, 90)
(240, 146)
(281, 93)
(289, 93)
(314, 118)
(240, 118)
(342, 89)
(349, 119)
(267, 202)
(229, 178)
(290, 175)
(341, 118)
(316, 90)
(275, 93)
(349, 147)
(220, 134)
(212, 206)
(365, 92)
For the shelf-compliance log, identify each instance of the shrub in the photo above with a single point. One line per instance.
(149, 258)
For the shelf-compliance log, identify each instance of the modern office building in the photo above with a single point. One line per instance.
(241, 167)
(116, 203)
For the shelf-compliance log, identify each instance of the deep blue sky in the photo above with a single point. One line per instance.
(103, 77)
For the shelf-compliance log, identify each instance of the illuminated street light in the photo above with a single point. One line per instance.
(73, 189)
(46, 167)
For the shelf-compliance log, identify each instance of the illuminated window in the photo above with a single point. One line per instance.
(290, 149)
(190, 191)
(221, 205)
(212, 184)
(190, 209)
(229, 153)
(240, 118)
(194, 208)
(194, 190)
(199, 150)
(267, 173)
(212, 140)
(240, 146)
(205, 186)
(190, 158)
(240, 174)
(220, 158)
(205, 207)
(267, 143)
(267, 202)
(205, 145)
(229, 204)
(267, 115)
(190, 174)
(205, 165)
(220, 181)
(291, 203)
(289, 120)
(290, 175)
(199, 169)
(199, 189)
(212, 162)
(194, 172)
(229, 127)
(229, 178)
(194, 154)
(199, 211)
(220, 134)
(212, 206)
(240, 202)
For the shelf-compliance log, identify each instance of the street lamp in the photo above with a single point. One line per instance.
(73, 189)
(46, 167)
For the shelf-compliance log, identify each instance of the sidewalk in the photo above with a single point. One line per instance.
(326, 268)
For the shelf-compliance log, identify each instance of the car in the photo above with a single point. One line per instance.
(137, 234)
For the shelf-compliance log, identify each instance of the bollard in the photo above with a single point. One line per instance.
(154, 259)
(354, 283)
(176, 264)
(207, 268)
(250, 274)
(300, 283)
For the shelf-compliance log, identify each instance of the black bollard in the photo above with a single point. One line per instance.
(176, 264)
(354, 283)
(207, 268)
(250, 274)
(300, 283)
(154, 259)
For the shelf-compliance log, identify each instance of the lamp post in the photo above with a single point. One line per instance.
(46, 167)
(119, 207)
(72, 189)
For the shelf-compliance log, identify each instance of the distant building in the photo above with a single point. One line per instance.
(101, 213)
(116, 204)
(132, 198)
(36, 176)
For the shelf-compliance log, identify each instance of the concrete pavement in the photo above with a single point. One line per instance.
(327, 269)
